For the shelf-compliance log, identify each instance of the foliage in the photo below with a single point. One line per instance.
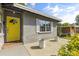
(59, 24)
(65, 24)
(77, 19)
(72, 48)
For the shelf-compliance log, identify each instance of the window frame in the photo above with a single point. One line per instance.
(38, 26)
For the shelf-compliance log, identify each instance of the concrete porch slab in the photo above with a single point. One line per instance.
(14, 49)
(51, 48)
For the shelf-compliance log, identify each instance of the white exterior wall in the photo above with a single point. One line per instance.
(30, 33)
(1, 34)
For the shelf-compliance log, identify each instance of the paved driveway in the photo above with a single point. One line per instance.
(14, 50)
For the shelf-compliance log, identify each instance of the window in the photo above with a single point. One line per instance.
(77, 29)
(48, 26)
(66, 30)
(44, 26)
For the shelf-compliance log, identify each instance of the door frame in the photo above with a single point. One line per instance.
(4, 26)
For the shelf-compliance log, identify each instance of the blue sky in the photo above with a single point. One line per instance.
(65, 11)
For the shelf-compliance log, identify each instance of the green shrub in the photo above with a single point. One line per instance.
(72, 48)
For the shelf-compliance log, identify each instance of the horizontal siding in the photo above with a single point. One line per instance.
(29, 29)
(29, 34)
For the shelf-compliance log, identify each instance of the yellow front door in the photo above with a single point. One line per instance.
(12, 28)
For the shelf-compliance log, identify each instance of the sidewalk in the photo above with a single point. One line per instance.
(14, 50)
(51, 48)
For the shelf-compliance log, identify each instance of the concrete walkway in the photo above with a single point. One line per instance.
(51, 47)
(14, 50)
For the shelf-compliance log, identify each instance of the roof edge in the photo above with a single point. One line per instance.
(35, 11)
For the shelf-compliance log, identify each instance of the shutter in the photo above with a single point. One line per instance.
(37, 25)
(51, 26)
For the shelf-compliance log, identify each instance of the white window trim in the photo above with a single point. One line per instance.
(38, 27)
